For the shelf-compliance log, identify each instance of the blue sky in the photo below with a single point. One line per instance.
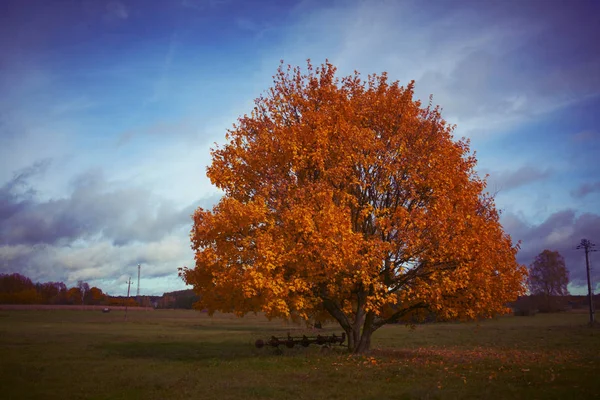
(108, 111)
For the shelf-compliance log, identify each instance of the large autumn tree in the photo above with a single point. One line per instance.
(347, 198)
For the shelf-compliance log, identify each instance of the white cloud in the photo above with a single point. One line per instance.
(99, 261)
(467, 57)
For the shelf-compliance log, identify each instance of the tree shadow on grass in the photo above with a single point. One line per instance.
(181, 351)
(239, 328)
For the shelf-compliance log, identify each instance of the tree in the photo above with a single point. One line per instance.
(74, 296)
(347, 198)
(14, 283)
(548, 275)
(52, 292)
(84, 289)
(18, 289)
(96, 296)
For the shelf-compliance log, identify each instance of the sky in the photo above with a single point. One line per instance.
(109, 109)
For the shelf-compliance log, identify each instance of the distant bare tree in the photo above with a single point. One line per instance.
(84, 288)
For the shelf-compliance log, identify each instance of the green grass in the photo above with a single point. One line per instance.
(186, 354)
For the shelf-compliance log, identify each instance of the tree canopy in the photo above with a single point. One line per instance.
(548, 275)
(348, 199)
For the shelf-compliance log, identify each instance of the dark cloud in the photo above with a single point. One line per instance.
(586, 189)
(118, 212)
(99, 231)
(562, 232)
(16, 195)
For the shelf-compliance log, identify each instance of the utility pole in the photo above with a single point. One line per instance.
(588, 247)
(138, 289)
(127, 301)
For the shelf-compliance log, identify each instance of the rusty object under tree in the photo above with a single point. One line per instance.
(304, 341)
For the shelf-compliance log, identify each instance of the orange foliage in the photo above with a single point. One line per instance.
(74, 296)
(349, 198)
(96, 296)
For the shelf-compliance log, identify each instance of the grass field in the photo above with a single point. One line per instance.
(170, 354)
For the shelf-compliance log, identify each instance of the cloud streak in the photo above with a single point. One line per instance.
(95, 207)
(507, 180)
(115, 10)
(586, 189)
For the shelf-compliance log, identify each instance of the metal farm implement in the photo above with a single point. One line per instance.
(304, 341)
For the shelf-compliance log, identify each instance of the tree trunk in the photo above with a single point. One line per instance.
(359, 340)
(358, 333)
(364, 345)
(351, 339)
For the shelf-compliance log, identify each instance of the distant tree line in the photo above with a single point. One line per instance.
(19, 289)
